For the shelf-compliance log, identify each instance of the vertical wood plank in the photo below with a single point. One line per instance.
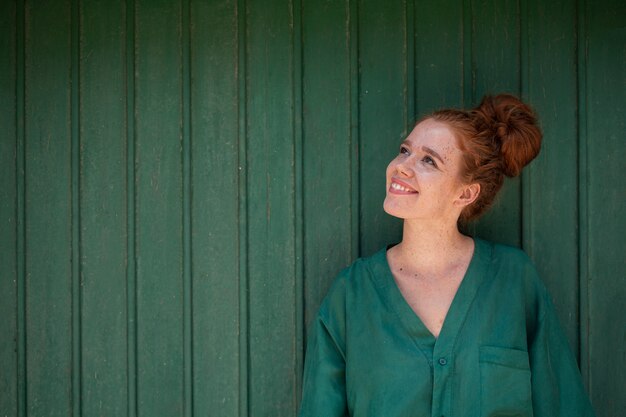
(355, 170)
(159, 217)
(103, 215)
(48, 204)
(496, 53)
(382, 114)
(131, 213)
(439, 55)
(606, 203)
(271, 209)
(410, 65)
(583, 226)
(298, 139)
(469, 83)
(327, 148)
(75, 210)
(8, 209)
(215, 211)
(185, 21)
(20, 110)
(550, 182)
(242, 157)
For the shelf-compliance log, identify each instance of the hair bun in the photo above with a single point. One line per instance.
(512, 125)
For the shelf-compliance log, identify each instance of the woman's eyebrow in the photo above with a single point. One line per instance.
(433, 153)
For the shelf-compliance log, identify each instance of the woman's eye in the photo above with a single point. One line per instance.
(404, 150)
(428, 160)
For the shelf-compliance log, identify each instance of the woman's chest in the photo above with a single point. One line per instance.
(430, 300)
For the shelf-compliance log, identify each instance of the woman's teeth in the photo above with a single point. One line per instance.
(399, 187)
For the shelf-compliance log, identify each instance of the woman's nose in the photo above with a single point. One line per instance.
(403, 169)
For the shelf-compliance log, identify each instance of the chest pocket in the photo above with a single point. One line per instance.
(505, 388)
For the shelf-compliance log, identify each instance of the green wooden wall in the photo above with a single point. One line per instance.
(181, 180)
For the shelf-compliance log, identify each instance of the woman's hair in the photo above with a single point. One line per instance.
(497, 138)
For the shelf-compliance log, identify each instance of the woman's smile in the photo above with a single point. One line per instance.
(400, 187)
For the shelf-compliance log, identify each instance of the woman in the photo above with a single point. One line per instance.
(443, 324)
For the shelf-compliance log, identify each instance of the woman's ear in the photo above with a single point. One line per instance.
(469, 194)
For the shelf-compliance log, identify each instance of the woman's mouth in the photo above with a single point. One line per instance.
(398, 187)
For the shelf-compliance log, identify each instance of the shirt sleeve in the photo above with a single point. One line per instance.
(557, 389)
(324, 384)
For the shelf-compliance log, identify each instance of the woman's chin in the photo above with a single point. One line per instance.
(393, 210)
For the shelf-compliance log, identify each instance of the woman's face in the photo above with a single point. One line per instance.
(423, 181)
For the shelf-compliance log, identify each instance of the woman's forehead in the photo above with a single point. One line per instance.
(434, 135)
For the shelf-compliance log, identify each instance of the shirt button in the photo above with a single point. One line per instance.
(442, 361)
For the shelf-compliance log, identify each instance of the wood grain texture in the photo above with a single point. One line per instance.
(550, 182)
(215, 213)
(20, 109)
(131, 211)
(438, 76)
(103, 216)
(271, 209)
(8, 210)
(606, 204)
(242, 215)
(159, 203)
(327, 150)
(48, 199)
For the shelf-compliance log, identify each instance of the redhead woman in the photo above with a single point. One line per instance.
(444, 324)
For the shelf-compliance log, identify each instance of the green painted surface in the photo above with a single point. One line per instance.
(270, 184)
(181, 181)
(605, 196)
(438, 76)
(103, 214)
(330, 162)
(214, 208)
(48, 217)
(550, 183)
(158, 213)
(8, 210)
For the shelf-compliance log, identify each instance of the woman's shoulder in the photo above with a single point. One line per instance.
(359, 270)
(501, 252)
(508, 259)
(512, 267)
(362, 274)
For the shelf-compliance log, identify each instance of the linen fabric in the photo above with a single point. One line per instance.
(500, 352)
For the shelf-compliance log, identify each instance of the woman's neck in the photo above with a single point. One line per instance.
(432, 247)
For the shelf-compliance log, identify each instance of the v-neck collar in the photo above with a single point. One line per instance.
(461, 303)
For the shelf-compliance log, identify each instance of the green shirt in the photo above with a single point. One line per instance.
(500, 352)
